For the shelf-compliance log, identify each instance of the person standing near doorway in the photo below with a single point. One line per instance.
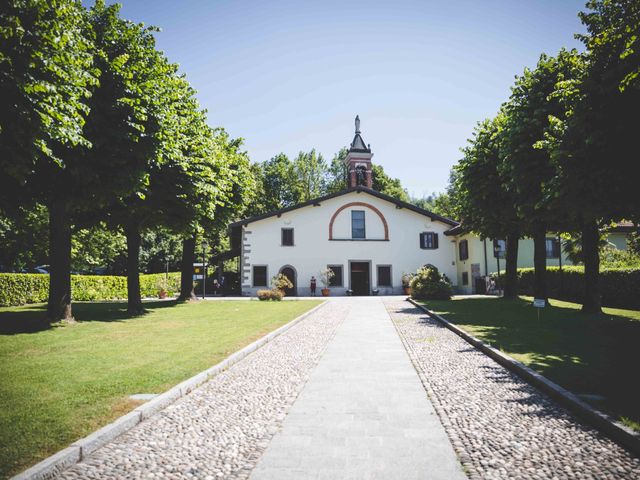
(313, 286)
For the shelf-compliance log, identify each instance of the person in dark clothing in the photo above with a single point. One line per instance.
(313, 286)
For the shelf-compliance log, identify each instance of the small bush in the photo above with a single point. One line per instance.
(273, 294)
(428, 284)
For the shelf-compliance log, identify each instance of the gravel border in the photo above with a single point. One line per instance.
(80, 449)
(597, 419)
(500, 425)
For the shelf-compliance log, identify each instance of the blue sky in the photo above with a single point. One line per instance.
(291, 75)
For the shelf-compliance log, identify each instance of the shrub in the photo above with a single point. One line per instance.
(281, 282)
(619, 287)
(273, 294)
(428, 284)
(614, 258)
(21, 288)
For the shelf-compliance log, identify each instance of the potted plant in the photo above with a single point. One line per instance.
(281, 282)
(406, 282)
(325, 277)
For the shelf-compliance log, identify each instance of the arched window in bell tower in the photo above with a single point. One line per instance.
(361, 176)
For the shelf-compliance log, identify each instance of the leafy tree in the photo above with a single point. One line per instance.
(238, 196)
(593, 143)
(527, 168)
(97, 248)
(634, 243)
(24, 227)
(484, 204)
(46, 76)
(279, 184)
(123, 124)
(443, 204)
(383, 183)
(309, 172)
(337, 173)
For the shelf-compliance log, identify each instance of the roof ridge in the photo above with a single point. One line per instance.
(375, 193)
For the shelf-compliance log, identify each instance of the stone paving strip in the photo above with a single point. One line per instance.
(500, 426)
(363, 414)
(220, 429)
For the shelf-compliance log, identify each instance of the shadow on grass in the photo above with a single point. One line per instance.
(31, 318)
(587, 354)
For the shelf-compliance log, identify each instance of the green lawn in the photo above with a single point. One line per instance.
(58, 385)
(586, 354)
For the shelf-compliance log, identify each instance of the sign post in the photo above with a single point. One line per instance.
(539, 303)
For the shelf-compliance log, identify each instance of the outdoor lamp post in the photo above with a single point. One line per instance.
(166, 272)
(496, 253)
(204, 267)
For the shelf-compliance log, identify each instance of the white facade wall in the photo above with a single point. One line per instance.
(313, 250)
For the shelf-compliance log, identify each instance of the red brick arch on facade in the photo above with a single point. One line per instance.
(359, 204)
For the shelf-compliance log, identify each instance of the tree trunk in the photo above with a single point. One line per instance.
(59, 304)
(511, 269)
(186, 274)
(590, 239)
(134, 299)
(540, 261)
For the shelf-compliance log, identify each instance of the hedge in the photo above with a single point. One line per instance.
(21, 288)
(620, 287)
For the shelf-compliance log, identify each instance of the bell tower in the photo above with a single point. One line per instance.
(358, 162)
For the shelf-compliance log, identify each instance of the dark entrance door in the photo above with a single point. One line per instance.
(360, 278)
(290, 273)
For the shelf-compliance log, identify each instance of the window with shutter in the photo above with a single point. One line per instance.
(259, 276)
(463, 248)
(429, 240)
(287, 237)
(384, 275)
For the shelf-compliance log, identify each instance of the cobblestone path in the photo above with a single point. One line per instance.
(220, 429)
(363, 414)
(500, 426)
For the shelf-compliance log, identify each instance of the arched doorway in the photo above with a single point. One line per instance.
(290, 272)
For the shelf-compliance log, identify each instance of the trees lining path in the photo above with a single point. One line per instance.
(336, 397)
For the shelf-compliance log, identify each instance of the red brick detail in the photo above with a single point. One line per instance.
(353, 181)
(359, 204)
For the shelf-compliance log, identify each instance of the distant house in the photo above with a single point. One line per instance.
(367, 238)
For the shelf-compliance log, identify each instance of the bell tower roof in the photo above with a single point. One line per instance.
(358, 161)
(358, 145)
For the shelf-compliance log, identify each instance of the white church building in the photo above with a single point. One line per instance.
(367, 238)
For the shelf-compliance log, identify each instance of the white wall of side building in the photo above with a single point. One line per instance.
(313, 250)
(480, 265)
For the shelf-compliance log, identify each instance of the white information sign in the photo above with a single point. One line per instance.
(539, 302)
